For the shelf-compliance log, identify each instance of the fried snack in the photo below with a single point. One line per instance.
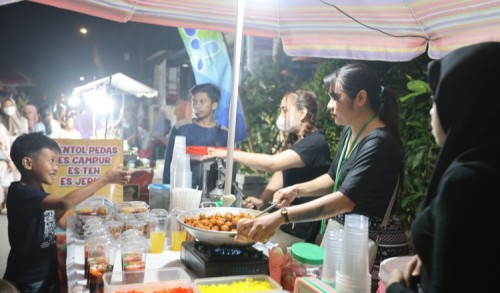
(102, 210)
(85, 211)
(217, 222)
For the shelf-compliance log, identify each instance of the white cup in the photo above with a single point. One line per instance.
(179, 149)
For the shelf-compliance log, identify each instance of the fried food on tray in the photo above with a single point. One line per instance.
(217, 222)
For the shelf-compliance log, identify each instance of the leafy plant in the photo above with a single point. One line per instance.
(262, 95)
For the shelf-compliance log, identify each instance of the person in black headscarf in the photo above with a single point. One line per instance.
(453, 236)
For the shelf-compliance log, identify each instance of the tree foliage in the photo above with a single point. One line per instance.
(262, 95)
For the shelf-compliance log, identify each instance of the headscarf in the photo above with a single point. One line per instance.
(467, 103)
(33, 119)
(15, 124)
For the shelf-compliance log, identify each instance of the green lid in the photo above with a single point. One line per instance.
(307, 253)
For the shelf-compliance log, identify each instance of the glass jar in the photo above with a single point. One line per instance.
(306, 261)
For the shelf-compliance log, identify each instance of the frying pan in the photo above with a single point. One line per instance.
(215, 238)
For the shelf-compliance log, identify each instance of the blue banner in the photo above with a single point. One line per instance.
(210, 62)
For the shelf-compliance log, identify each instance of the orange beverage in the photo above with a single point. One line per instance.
(177, 238)
(157, 239)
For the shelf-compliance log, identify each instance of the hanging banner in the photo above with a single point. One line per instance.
(210, 62)
(82, 161)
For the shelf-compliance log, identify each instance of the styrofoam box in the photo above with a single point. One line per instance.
(275, 287)
(154, 280)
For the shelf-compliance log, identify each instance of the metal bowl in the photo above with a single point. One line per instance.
(216, 238)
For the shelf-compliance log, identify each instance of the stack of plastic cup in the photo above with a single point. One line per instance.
(182, 174)
(333, 255)
(353, 275)
(179, 151)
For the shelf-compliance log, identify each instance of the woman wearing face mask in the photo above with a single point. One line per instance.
(12, 125)
(365, 171)
(10, 117)
(306, 156)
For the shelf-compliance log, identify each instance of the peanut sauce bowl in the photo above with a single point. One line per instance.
(211, 237)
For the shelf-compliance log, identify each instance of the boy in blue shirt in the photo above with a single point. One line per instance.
(34, 214)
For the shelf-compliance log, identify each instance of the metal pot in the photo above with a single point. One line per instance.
(215, 238)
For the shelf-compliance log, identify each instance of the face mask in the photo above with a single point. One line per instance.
(9, 110)
(293, 125)
(280, 123)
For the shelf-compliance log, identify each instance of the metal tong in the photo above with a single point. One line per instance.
(266, 209)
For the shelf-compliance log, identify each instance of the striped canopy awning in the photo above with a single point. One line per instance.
(390, 30)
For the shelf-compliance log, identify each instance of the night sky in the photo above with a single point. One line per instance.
(44, 42)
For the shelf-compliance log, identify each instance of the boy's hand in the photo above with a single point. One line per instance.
(117, 175)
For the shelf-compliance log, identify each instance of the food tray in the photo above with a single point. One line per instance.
(218, 281)
(216, 238)
(153, 280)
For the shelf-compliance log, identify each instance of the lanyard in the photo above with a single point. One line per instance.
(343, 155)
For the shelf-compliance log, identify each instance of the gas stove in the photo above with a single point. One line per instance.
(211, 261)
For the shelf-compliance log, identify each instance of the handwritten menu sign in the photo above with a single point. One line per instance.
(82, 161)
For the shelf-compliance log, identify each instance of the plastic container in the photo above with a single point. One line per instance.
(92, 209)
(386, 267)
(223, 284)
(115, 228)
(133, 256)
(159, 196)
(137, 208)
(306, 261)
(154, 280)
(101, 260)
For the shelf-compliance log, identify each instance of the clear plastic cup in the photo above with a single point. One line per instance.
(158, 233)
(91, 235)
(101, 260)
(136, 224)
(115, 228)
(131, 234)
(177, 232)
(333, 241)
(133, 256)
(355, 246)
(159, 212)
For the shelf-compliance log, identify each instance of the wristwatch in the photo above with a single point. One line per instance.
(284, 214)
